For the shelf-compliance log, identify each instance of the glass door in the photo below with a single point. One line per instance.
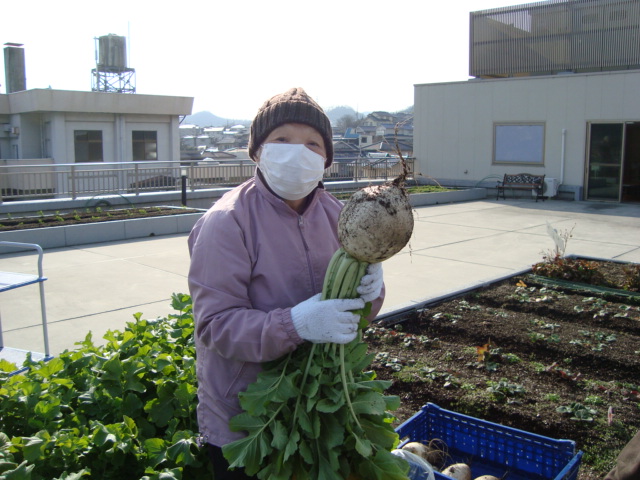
(631, 163)
(605, 161)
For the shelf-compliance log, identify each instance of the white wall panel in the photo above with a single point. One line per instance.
(454, 121)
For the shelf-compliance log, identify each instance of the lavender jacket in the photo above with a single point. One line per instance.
(252, 259)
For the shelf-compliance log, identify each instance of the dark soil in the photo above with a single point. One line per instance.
(518, 353)
(90, 215)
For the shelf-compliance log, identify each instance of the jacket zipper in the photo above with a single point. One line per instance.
(306, 249)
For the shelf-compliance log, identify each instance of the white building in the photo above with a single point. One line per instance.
(81, 127)
(556, 94)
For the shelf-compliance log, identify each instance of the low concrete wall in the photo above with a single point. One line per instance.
(195, 199)
(436, 198)
(71, 235)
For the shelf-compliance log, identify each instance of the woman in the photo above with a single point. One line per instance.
(258, 260)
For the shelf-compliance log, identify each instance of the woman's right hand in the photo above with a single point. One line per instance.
(327, 321)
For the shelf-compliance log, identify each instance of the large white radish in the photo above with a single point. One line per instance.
(417, 448)
(376, 222)
(459, 471)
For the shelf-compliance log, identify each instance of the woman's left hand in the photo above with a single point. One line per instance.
(371, 284)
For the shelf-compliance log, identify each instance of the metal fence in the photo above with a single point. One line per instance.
(553, 37)
(20, 180)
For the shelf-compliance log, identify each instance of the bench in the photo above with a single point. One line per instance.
(521, 181)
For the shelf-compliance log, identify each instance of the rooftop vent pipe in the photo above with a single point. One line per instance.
(15, 74)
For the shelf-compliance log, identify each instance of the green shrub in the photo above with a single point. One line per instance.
(122, 410)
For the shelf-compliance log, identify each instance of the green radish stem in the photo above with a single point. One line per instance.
(304, 381)
(344, 274)
(347, 398)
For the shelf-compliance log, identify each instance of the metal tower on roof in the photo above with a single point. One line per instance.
(111, 73)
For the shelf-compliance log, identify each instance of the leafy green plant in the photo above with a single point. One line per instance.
(122, 410)
(536, 337)
(556, 265)
(503, 390)
(316, 412)
(427, 189)
(571, 269)
(597, 341)
(632, 278)
(578, 412)
(594, 400)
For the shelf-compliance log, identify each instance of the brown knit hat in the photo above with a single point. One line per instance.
(292, 106)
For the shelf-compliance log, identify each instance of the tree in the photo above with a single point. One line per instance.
(347, 121)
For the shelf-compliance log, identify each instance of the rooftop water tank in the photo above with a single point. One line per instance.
(112, 53)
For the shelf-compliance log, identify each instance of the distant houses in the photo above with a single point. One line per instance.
(202, 142)
(378, 134)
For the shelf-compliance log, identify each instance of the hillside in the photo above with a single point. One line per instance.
(208, 119)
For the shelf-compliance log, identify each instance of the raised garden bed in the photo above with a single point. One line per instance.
(559, 360)
(89, 215)
(94, 226)
(553, 361)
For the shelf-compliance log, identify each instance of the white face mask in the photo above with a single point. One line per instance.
(291, 170)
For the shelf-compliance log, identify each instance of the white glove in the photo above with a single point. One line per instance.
(371, 284)
(327, 321)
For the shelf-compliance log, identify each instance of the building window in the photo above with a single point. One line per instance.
(88, 145)
(145, 145)
(521, 144)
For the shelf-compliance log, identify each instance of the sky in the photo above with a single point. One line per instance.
(232, 55)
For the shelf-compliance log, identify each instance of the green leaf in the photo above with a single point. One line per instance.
(166, 474)
(379, 432)
(363, 447)
(247, 452)
(306, 453)
(329, 406)
(392, 402)
(48, 409)
(292, 445)
(50, 368)
(160, 411)
(384, 466)
(333, 431)
(246, 422)
(7, 466)
(75, 475)
(180, 452)
(33, 449)
(280, 435)
(22, 472)
(102, 436)
(6, 366)
(368, 403)
(375, 385)
(112, 369)
(180, 301)
(131, 405)
(309, 422)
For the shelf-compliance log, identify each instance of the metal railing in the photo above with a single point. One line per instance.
(24, 180)
(553, 37)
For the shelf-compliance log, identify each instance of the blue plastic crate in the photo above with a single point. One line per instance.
(493, 449)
